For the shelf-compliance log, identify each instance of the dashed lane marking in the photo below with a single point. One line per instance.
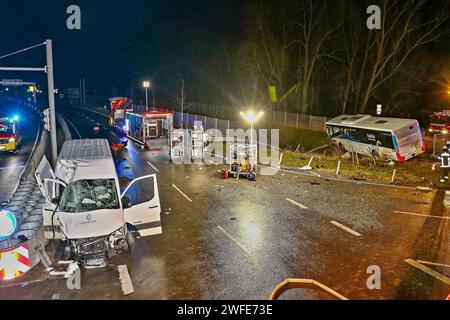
(241, 246)
(182, 193)
(152, 166)
(422, 215)
(429, 271)
(297, 204)
(340, 225)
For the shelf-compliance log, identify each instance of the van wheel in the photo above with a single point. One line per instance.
(130, 242)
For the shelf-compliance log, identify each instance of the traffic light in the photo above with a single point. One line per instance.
(47, 119)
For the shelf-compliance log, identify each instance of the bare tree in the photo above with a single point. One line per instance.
(314, 30)
(404, 30)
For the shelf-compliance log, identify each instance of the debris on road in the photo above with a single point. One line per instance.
(427, 189)
(125, 280)
(359, 177)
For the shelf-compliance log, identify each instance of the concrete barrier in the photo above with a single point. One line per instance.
(64, 127)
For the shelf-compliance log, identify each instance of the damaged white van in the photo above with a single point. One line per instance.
(86, 208)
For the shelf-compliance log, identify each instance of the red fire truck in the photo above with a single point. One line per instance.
(440, 122)
(10, 135)
(118, 116)
(151, 129)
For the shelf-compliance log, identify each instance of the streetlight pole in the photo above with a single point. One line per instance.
(146, 99)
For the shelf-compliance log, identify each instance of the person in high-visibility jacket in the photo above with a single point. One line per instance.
(445, 164)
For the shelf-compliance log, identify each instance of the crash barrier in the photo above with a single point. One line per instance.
(40, 150)
(64, 127)
(24, 249)
(290, 284)
(439, 141)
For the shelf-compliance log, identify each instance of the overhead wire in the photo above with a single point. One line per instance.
(22, 50)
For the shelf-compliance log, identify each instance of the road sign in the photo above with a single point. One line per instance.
(12, 82)
(379, 109)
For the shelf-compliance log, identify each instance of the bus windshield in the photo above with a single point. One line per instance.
(89, 195)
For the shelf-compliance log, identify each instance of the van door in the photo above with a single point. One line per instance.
(45, 172)
(145, 210)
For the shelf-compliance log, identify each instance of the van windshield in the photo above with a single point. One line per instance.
(89, 195)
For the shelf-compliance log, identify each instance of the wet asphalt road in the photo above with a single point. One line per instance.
(12, 164)
(239, 239)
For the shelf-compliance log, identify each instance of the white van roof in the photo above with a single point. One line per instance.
(371, 123)
(93, 157)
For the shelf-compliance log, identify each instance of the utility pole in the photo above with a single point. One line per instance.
(51, 99)
(182, 103)
(153, 89)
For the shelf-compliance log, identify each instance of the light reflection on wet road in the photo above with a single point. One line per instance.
(238, 239)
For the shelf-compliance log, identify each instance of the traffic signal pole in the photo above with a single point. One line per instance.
(51, 99)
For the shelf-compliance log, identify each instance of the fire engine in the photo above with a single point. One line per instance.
(10, 135)
(118, 115)
(440, 122)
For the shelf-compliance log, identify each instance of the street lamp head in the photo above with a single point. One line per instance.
(146, 84)
(251, 116)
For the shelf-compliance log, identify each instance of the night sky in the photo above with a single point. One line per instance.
(121, 42)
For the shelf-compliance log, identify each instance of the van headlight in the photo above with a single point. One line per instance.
(12, 140)
(118, 234)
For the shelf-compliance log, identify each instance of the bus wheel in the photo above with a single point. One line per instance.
(338, 150)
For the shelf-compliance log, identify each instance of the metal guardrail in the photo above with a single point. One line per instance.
(290, 284)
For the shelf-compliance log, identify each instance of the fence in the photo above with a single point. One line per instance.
(222, 118)
(299, 121)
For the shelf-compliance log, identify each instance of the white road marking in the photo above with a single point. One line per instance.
(429, 271)
(265, 188)
(182, 193)
(152, 166)
(434, 264)
(340, 225)
(241, 246)
(297, 204)
(421, 215)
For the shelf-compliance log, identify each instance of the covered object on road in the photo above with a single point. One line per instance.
(151, 129)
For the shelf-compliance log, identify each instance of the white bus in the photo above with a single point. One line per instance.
(391, 138)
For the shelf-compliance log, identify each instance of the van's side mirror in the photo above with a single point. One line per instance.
(126, 202)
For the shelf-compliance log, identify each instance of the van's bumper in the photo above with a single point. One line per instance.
(10, 146)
